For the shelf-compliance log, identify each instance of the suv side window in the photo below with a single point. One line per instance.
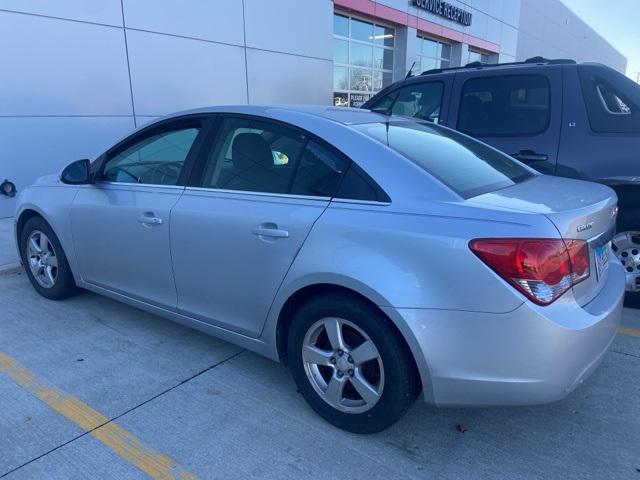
(419, 100)
(610, 107)
(156, 159)
(502, 106)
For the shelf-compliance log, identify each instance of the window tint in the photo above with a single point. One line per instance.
(420, 100)
(612, 100)
(252, 155)
(157, 159)
(511, 105)
(357, 185)
(465, 165)
(319, 172)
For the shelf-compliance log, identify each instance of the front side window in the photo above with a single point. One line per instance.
(465, 165)
(510, 105)
(257, 156)
(362, 59)
(421, 100)
(156, 159)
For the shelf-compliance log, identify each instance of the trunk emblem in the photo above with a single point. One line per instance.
(586, 226)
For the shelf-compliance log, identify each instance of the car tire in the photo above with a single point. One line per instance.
(45, 261)
(389, 381)
(626, 246)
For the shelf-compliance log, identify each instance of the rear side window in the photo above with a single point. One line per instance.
(611, 100)
(419, 100)
(510, 105)
(465, 165)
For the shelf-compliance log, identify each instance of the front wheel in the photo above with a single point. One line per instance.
(45, 261)
(350, 364)
(626, 246)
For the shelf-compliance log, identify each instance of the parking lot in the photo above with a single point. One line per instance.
(91, 388)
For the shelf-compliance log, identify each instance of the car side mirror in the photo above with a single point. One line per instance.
(77, 173)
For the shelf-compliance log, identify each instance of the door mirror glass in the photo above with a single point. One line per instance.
(77, 173)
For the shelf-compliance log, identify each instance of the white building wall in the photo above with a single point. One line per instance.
(79, 74)
(549, 29)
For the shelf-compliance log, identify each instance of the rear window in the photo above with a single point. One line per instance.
(611, 99)
(509, 105)
(465, 165)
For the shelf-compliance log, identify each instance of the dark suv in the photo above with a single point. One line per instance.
(559, 117)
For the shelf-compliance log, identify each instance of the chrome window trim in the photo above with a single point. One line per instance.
(258, 194)
(134, 184)
(604, 102)
(353, 201)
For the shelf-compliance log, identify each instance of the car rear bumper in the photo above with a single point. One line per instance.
(531, 355)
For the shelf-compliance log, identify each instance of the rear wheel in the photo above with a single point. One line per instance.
(44, 260)
(350, 364)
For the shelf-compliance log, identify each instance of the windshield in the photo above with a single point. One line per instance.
(465, 165)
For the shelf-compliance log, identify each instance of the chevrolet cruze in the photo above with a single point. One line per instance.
(380, 257)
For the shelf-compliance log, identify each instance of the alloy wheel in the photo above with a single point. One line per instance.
(42, 259)
(626, 245)
(343, 365)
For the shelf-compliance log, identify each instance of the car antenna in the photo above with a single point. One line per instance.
(410, 72)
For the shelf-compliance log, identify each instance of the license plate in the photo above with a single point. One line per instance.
(602, 260)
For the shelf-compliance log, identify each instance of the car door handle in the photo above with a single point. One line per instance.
(270, 231)
(529, 156)
(149, 219)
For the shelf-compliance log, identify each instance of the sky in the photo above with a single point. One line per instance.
(617, 22)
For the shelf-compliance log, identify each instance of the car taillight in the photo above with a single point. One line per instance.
(543, 269)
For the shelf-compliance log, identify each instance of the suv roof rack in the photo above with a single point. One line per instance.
(480, 65)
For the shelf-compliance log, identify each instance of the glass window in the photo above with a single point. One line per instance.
(465, 165)
(319, 172)
(362, 31)
(612, 100)
(363, 60)
(341, 25)
(475, 56)
(157, 159)
(340, 51)
(510, 105)
(421, 100)
(252, 155)
(340, 78)
(431, 54)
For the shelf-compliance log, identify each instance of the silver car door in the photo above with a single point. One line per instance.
(235, 235)
(121, 223)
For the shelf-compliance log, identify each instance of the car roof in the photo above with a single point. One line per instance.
(345, 116)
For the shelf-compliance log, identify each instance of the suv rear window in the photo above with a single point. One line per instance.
(465, 165)
(611, 99)
(503, 106)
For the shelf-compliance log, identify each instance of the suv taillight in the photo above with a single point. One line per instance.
(542, 269)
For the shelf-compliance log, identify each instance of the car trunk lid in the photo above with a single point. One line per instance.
(579, 211)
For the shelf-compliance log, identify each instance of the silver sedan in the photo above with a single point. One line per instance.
(379, 256)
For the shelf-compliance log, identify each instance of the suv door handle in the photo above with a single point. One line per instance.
(149, 219)
(270, 230)
(529, 156)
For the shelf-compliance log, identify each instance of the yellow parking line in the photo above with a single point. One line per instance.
(629, 331)
(123, 443)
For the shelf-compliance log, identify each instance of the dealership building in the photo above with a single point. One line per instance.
(79, 74)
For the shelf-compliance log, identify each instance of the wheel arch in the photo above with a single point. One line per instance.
(296, 299)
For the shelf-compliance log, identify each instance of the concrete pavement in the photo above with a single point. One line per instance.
(219, 412)
(8, 253)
